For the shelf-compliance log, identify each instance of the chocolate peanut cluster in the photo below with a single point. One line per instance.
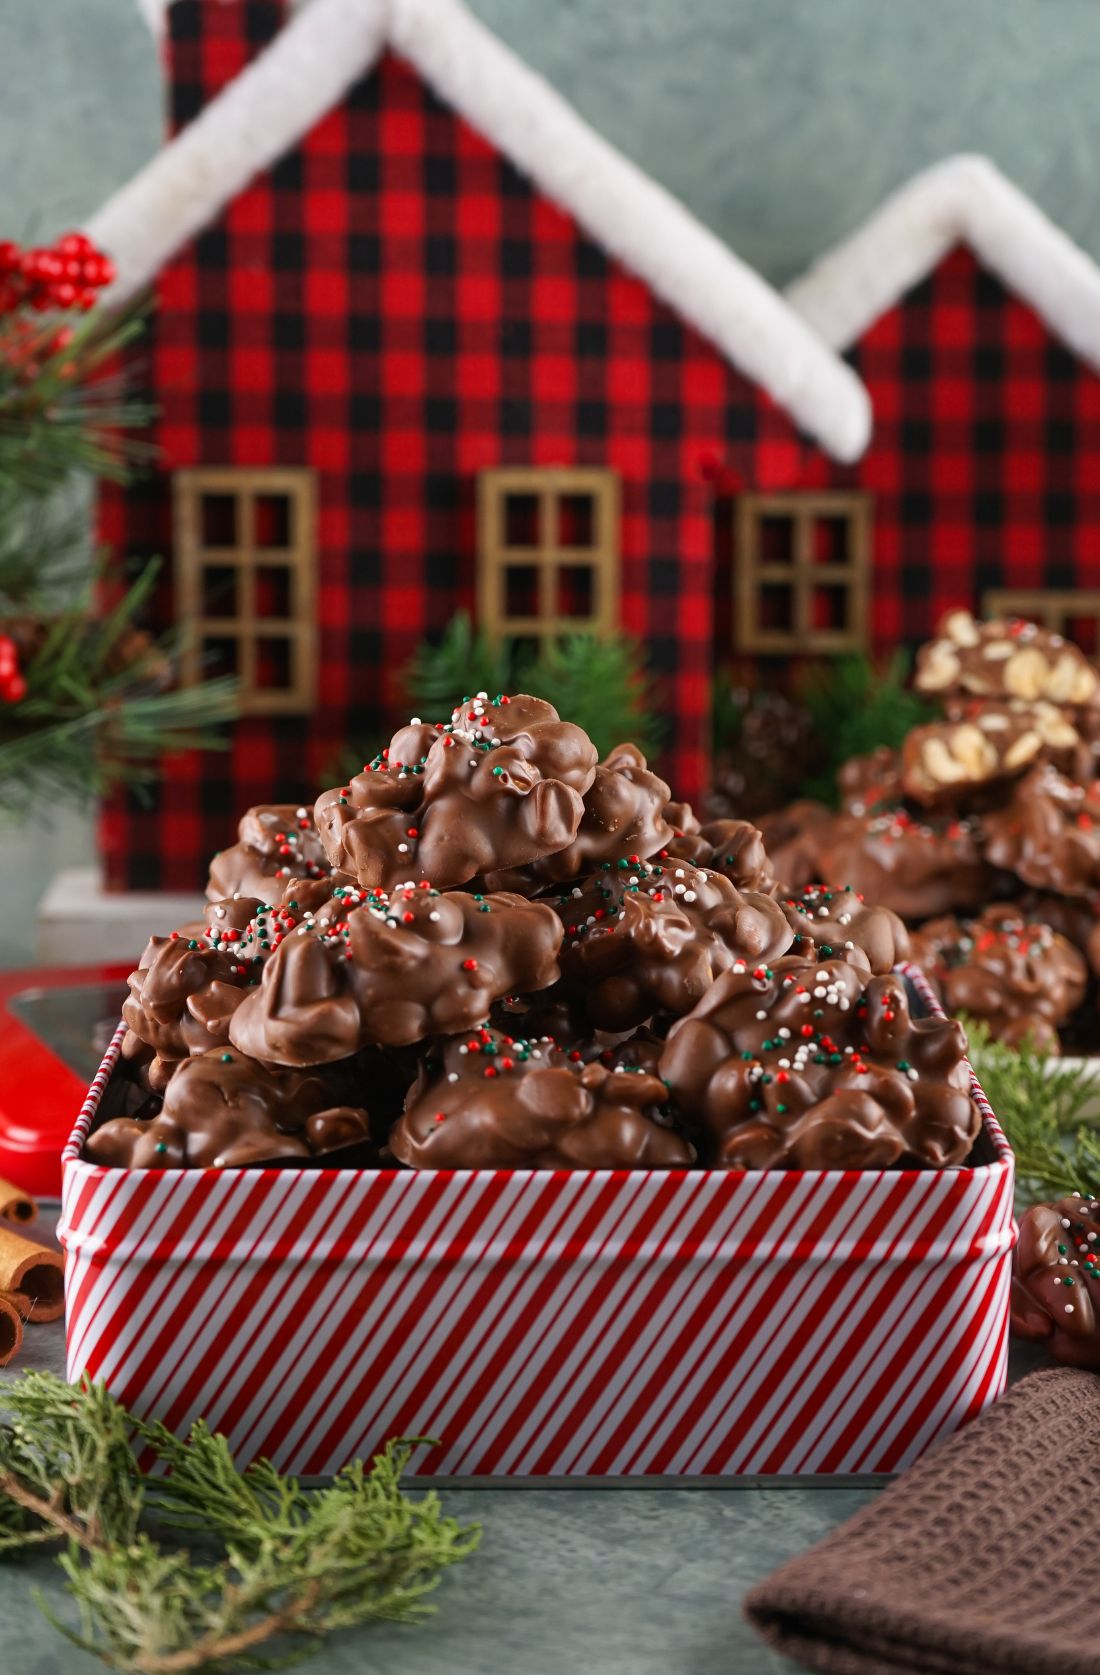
(1056, 1279)
(1015, 973)
(492, 950)
(997, 800)
(810, 1065)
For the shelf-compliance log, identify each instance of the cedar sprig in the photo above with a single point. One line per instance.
(270, 1568)
(1043, 1107)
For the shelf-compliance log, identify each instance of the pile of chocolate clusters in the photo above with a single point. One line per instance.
(492, 950)
(982, 832)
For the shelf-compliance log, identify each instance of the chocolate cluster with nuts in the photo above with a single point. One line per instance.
(493, 950)
(995, 800)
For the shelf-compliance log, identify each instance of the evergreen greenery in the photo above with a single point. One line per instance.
(601, 684)
(96, 705)
(267, 1569)
(1048, 1112)
(856, 705)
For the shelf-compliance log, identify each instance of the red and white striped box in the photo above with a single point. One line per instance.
(542, 1324)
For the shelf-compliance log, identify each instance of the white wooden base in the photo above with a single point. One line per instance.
(80, 923)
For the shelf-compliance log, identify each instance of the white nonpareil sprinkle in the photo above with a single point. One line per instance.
(689, 895)
(1069, 1308)
(463, 1051)
(784, 1034)
(433, 915)
(402, 849)
(760, 1016)
(452, 1075)
(415, 721)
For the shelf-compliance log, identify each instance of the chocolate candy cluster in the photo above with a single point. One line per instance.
(492, 950)
(998, 800)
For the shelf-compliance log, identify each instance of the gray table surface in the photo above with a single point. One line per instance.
(582, 1581)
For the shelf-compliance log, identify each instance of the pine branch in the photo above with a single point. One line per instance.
(463, 661)
(602, 685)
(1044, 1109)
(857, 705)
(294, 1565)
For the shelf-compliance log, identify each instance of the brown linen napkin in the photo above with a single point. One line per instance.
(975, 1562)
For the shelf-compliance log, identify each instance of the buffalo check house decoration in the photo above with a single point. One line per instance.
(401, 292)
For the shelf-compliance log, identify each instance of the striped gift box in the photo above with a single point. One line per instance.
(547, 1324)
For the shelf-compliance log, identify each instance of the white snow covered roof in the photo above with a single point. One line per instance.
(328, 45)
(963, 200)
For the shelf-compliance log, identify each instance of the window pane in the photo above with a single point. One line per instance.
(272, 592)
(577, 591)
(219, 590)
(776, 540)
(220, 656)
(272, 513)
(218, 520)
(776, 608)
(521, 520)
(274, 664)
(832, 540)
(829, 608)
(521, 590)
(576, 520)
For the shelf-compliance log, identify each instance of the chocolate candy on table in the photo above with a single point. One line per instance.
(644, 938)
(792, 837)
(222, 1110)
(500, 785)
(276, 842)
(624, 814)
(915, 867)
(392, 968)
(947, 763)
(802, 1065)
(1048, 834)
(1004, 658)
(829, 922)
(869, 783)
(1056, 1279)
(498, 1102)
(1017, 975)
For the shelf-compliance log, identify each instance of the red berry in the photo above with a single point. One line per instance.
(11, 256)
(74, 244)
(65, 294)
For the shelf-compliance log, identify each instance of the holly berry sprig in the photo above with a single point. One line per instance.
(13, 684)
(53, 278)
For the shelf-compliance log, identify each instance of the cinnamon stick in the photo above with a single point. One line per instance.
(15, 1205)
(11, 1330)
(33, 1275)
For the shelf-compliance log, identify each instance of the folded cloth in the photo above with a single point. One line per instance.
(972, 1563)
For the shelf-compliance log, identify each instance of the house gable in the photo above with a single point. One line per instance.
(984, 463)
(396, 306)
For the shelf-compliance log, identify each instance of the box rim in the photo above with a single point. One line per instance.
(74, 1166)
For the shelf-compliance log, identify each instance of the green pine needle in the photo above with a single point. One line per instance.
(856, 705)
(1046, 1110)
(464, 660)
(599, 683)
(276, 1568)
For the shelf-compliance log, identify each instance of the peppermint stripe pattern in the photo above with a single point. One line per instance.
(542, 1324)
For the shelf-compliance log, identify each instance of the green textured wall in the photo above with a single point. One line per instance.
(780, 122)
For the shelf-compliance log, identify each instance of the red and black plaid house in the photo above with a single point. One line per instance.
(975, 326)
(363, 298)
(421, 340)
